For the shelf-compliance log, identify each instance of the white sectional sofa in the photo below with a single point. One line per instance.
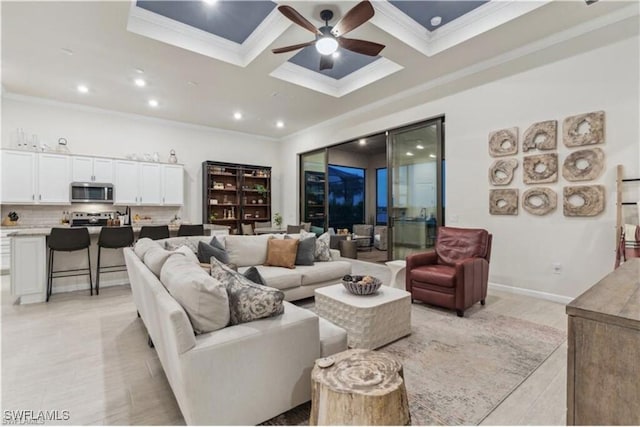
(239, 375)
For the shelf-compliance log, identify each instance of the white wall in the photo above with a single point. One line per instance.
(98, 132)
(525, 247)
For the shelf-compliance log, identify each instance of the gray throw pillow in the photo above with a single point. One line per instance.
(254, 275)
(212, 249)
(306, 250)
(248, 301)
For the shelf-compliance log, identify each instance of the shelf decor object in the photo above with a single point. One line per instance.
(235, 194)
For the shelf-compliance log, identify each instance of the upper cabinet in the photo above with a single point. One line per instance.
(54, 175)
(172, 185)
(92, 169)
(45, 178)
(18, 177)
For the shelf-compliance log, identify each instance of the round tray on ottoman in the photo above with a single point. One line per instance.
(361, 285)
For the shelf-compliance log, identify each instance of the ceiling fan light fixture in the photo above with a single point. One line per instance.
(326, 45)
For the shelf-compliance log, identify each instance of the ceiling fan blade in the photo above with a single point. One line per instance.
(326, 62)
(292, 47)
(361, 46)
(296, 18)
(357, 16)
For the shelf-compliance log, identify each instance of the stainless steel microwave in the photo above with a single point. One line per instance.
(91, 192)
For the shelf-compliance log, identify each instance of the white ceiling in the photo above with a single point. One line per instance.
(106, 55)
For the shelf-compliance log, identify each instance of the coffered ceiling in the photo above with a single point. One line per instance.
(204, 62)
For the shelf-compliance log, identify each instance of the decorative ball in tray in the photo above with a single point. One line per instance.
(361, 285)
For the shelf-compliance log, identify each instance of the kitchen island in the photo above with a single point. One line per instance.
(29, 262)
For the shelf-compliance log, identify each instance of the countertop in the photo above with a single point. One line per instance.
(41, 230)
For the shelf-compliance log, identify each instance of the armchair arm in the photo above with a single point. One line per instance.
(472, 275)
(422, 258)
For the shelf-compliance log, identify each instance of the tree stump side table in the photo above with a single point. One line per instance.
(362, 387)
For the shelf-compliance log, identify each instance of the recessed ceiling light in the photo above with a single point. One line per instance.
(409, 153)
(436, 20)
(153, 103)
(82, 89)
(336, 54)
(67, 51)
(210, 2)
(140, 82)
(420, 147)
(139, 71)
(362, 142)
(433, 156)
(237, 115)
(280, 124)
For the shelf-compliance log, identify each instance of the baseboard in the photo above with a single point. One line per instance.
(85, 286)
(531, 293)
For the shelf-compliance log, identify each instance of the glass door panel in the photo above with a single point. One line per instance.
(313, 188)
(415, 201)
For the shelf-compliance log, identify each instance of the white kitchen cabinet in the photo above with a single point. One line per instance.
(92, 169)
(125, 182)
(18, 177)
(172, 185)
(28, 268)
(54, 176)
(150, 184)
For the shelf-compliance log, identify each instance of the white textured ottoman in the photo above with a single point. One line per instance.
(371, 321)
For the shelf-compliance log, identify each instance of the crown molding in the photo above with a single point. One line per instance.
(166, 30)
(131, 116)
(378, 69)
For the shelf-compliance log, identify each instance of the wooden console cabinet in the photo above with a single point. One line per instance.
(603, 363)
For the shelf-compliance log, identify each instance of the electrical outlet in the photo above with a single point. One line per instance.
(557, 268)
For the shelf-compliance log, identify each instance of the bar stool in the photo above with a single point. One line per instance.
(68, 240)
(191, 230)
(112, 238)
(155, 232)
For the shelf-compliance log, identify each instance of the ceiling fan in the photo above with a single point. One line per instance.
(329, 38)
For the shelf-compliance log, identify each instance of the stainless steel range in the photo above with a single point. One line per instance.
(88, 219)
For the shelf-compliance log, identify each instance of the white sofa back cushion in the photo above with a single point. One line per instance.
(155, 257)
(202, 297)
(245, 251)
(143, 245)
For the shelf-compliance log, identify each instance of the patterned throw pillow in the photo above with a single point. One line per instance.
(248, 301)
(282, 253)
(191, 242)
(323, 252)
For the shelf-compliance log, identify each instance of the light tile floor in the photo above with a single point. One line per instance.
(89, 355)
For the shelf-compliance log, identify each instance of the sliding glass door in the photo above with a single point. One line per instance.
(415, 184)
(313, 188)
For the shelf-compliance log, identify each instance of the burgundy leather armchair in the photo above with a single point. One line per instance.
(455, 274)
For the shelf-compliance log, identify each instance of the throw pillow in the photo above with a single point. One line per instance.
(322, 251)
(254, 275)
(245, 251)
(202, 297)
(155, 258)
(247, 300)
(306, 226)
(214, 248)
(188, 253)
(317, 230)
(306, 250)
(143, 245)
(191, 242)
(282, 253)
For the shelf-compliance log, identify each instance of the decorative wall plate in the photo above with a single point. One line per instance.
(583, 200)
(541, 136)
(503, 142)
(539, 200)
(583, 165)
(583, 129)
(540, 169)
(501, 171)
(503, 202)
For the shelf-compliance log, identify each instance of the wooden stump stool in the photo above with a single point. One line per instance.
(362, 387)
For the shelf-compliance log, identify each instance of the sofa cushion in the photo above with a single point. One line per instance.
(173, 243)
(456, 244)
(248, 301)
(279, 278)
(282, 253)
(213, 248)
(306, 250)
(245, 251)
(188, 253)
(143, 245)
(322, 251)
(333, 339)
(154, 259)
(324, 271)
(435, 274)
(202, 297)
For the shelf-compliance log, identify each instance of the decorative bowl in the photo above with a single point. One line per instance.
(361, 285)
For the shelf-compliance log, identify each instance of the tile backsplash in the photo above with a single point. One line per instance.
(31, 215)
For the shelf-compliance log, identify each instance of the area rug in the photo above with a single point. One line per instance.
(457, 370)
